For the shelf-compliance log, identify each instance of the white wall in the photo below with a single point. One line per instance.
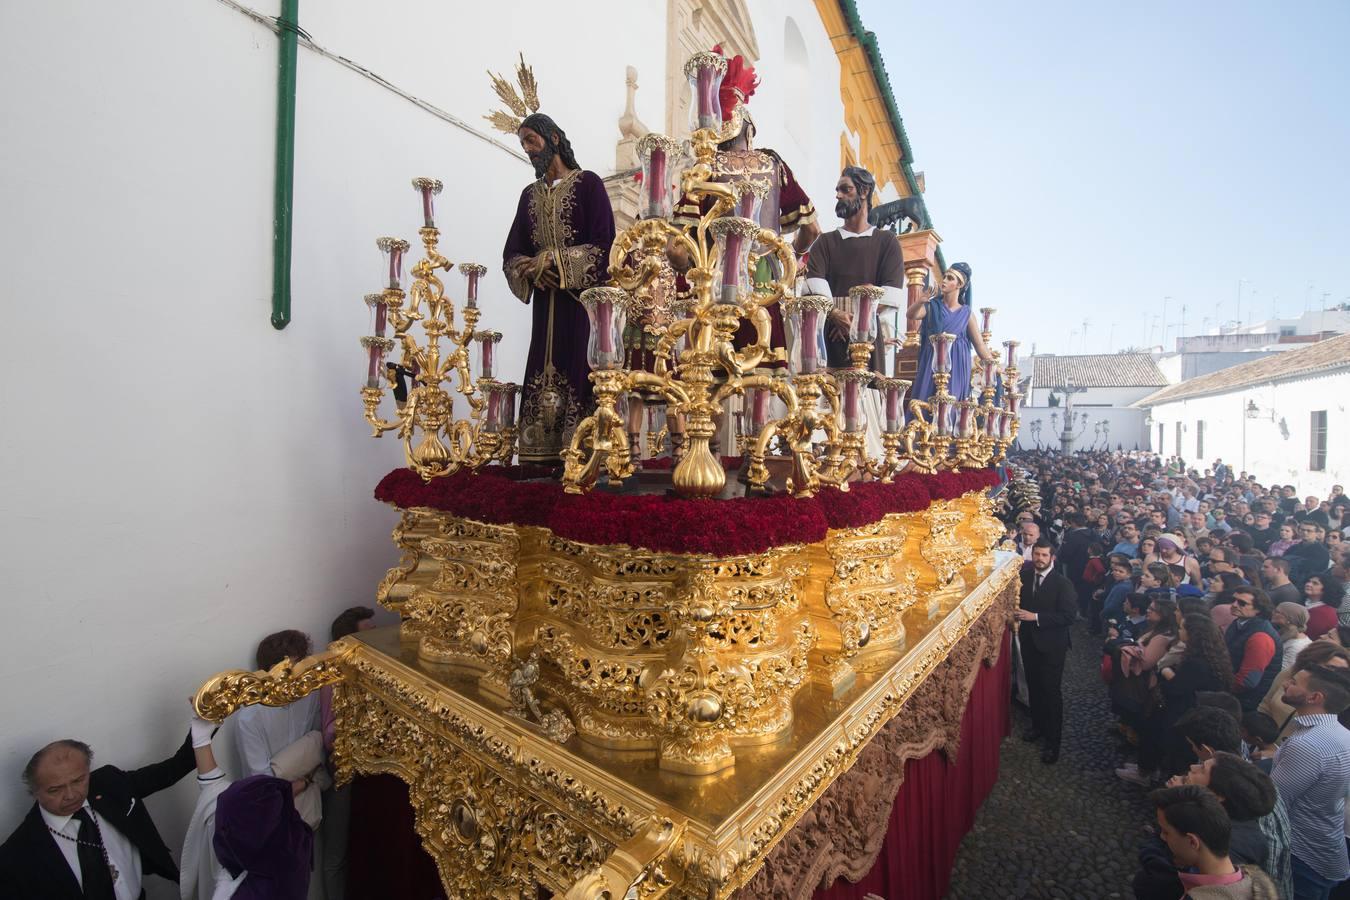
(1258, 445)
(178, 477)
(1126, 428)
(1095, 396)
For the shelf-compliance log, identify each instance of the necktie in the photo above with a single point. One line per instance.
(1040, 576)
(98, 882)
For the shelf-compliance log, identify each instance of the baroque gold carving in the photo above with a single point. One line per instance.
(280, 685)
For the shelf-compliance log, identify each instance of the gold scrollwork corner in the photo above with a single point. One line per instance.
(284, 683)
(636, 865)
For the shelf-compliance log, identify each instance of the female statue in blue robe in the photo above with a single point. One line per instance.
(948, 313)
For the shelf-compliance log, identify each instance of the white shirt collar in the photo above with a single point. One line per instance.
(846, 234)
(59, 823)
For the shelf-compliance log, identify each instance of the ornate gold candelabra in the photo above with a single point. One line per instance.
(435, 441)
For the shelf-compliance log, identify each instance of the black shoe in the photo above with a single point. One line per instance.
(1050, 755)
(1031, 735)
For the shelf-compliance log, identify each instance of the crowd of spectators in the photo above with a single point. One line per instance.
(1218, 602)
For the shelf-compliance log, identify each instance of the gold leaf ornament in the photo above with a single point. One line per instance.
(520, 104)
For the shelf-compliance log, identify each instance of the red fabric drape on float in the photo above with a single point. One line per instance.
(385, 857)
(937, 801)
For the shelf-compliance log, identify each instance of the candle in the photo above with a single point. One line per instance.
(656, 183)
(473, 272)
(604, 324)
(963, 427)
(494, 403)
(1012, 353)
(986, 313)
(989, 373)
(862, 323)
(380, 319)
(940, 416)
(759, 409)
(1014, 402)
(852, 405)
(731, 264)
(810, 334)
(487, 358)
(428, 188)
(508, 405)
(376, 348)
(708, 113)
(892, 410)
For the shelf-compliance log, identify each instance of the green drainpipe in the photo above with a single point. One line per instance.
(288, 26)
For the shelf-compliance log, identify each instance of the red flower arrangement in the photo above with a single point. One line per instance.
(499, 495)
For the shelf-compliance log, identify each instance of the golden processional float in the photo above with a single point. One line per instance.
(609, 720)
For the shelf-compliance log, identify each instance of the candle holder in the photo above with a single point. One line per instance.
(607, 310)
(750, 194)
(428, 188)
(863, 303)
(472, 272)
(734, 236)
(487, 352)
(705, 72)
(377, 348)
(1011, 347)
(804, 325)
(739, 267)
(659, 155)
(435, 442)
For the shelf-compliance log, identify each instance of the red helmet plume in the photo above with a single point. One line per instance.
(739, 84)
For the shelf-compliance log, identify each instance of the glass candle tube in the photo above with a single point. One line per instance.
(853, 420)
(376, 348)
(378, 314)
(862, 302)
(734, 236)
(659, 155)
(392, 250)
(705, 72)
(428, 188)
(986, 314)
(941, 411)
(508, 404)
(472, 272)
(804, 320)
(606, 310)
(942, 358)
(487, 344)
(893, 393)
(1011, 347)
(492, 421)
(965, 419)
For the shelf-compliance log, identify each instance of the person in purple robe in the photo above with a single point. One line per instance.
(557, 247)
(948, 313)
(261, 840)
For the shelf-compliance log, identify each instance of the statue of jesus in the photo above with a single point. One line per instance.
(557, 247)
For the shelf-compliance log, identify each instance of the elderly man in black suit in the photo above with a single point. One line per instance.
(1049, 606)
(88, 836)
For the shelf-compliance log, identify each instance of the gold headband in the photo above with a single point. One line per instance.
(959, 277)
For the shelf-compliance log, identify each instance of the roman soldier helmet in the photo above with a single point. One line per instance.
(738, 86)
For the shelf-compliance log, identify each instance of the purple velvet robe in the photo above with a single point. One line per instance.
(574, 221)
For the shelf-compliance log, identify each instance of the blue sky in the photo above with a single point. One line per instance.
(1089, 159)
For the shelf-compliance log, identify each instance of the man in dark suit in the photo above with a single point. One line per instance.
(1048, 607)
(88, 835)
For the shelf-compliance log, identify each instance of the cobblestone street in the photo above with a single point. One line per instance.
(1068, 830)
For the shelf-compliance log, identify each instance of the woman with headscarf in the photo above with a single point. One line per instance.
(1171, 550)
(948, 313)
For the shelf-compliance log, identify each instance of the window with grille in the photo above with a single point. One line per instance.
(1317, 455)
